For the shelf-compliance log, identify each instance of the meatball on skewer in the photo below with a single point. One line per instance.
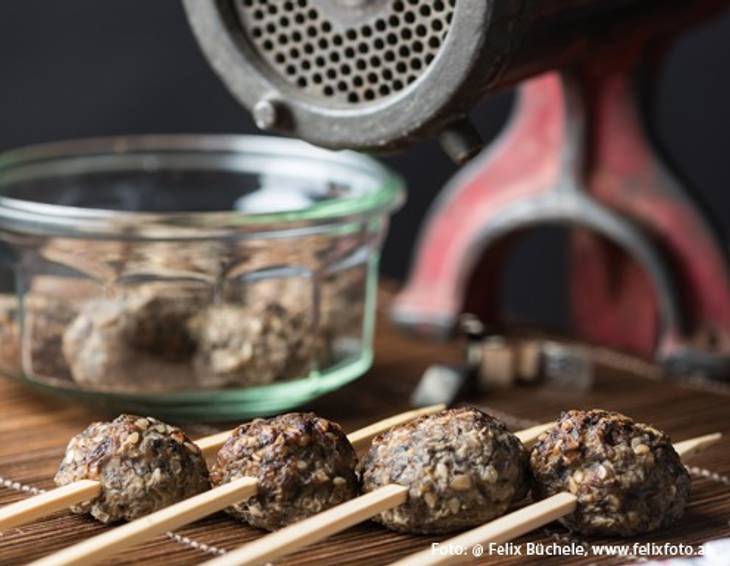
(460, 456)
(120, 470)
(627, 477)
(566, 505)
(140, 464)
(462, 468)
(303, 464)
(269, 472)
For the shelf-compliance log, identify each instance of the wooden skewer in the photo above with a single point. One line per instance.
(27, 510)
(529, 436)
(362, 438)
(359, 439)
(499, 531)
(38, 506)
(96, 548)
(193, 509)
(210, 445)
(334, 520)
(688, 448)
(316, 528)
(527, 519)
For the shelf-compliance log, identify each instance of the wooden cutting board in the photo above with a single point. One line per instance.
(34, 431)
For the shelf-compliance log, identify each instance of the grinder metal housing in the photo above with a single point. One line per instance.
(380, 74)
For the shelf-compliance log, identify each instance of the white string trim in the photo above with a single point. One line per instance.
(201, 546)
(17, 486)
(708, 474)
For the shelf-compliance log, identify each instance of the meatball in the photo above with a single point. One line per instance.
(241, 346)
(304, 465)
(135, 343)
(142, 464)
(462, 467)
(46, 319)
(626, 475)
(10, 360)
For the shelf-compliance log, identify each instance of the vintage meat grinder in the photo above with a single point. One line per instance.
(649, 273)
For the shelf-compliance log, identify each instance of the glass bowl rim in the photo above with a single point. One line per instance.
(52, 219)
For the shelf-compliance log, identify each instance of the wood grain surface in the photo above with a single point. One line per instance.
(34, 431)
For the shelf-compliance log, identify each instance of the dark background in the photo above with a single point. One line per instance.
(82, 68)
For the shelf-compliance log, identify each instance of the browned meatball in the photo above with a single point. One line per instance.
(240, 345)
(137, 342)
(462, 467)
(626, 475)
(46, 319)
(10, 357)
(304, 465)
(142, 464)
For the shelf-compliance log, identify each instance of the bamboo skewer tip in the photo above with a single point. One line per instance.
(211, 444)
(364, 436)
(529, 436)
(32, 508)
(696, 445)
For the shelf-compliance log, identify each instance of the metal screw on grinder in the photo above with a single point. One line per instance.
(461, 141)
(267, 114)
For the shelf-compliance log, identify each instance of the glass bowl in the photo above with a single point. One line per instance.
(190, 277)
